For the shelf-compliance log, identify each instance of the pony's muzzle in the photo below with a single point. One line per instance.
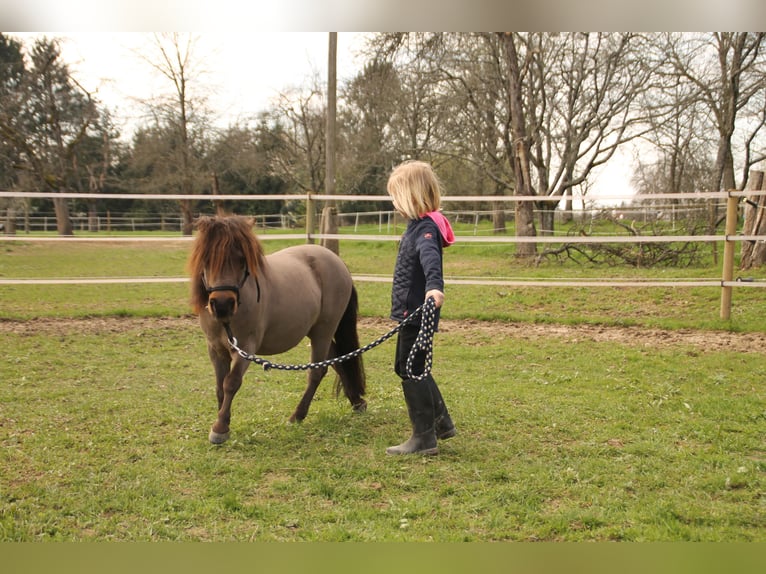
(222, 305)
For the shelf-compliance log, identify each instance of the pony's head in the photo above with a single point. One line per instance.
(225, 254)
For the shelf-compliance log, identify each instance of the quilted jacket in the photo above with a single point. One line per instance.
(419, 264)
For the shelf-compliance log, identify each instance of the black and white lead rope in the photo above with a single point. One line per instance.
(423, 342)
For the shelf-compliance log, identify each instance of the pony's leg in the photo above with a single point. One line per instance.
(226, 389)
(221, 366)
(352, 392)
(319, 352)
(313, 378)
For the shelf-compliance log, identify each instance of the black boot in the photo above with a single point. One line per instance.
(445, 428)
(420, 407)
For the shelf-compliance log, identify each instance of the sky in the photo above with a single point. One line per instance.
(244, 72)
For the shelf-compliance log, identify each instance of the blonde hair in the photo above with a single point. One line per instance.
(414, 189)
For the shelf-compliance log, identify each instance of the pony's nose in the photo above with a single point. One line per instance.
(222, 306)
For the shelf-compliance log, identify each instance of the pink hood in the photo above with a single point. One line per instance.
(448, 236)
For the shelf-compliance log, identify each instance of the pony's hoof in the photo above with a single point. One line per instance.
(360, 407)
(217, 437)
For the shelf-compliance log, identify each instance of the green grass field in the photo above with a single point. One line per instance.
(596, 414)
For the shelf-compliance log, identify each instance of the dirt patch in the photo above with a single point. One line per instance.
(634, 336)
(95, 325)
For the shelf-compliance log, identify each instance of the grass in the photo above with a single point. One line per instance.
(103, 421)
(104, 437)
(663, 307)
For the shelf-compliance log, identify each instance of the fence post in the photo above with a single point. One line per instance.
(732, 207)
(309, 219)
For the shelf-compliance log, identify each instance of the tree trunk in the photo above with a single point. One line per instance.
(220, 210)
(63, 221)
(187, 221)
(547, 216)
(525, 222)
(92, 216)
(753, 253)
(498, 218)
(567, 216)
(10, 221)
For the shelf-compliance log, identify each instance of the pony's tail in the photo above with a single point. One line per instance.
(350, 372)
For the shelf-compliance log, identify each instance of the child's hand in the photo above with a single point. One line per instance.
(437, 295)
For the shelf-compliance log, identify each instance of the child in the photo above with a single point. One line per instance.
(416, 194)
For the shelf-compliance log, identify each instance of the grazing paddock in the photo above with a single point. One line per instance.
(580, 436)
(581, 417)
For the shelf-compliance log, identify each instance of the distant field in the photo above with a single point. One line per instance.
(666, 307)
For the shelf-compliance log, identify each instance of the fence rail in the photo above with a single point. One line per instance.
(729, 238)
(107, 223)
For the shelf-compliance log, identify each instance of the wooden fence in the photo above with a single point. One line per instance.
(729, 238)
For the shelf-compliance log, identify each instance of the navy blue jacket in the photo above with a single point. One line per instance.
(418, 268)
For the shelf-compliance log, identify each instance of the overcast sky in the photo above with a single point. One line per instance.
(243, 72)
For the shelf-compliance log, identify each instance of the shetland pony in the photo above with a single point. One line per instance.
(270, 303)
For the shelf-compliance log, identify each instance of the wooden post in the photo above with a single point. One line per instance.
(329, 224)
(732, 206)
(309, 219)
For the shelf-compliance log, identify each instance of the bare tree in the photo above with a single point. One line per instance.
(678, 145)
(298, 123)
(725, 70)
(182, 113)
(582, 96)
(519, 149)
(534, 113)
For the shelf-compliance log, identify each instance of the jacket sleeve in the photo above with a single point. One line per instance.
(429, 249)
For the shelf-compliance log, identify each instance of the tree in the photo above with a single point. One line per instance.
(238, 158)
(426, 114)
(725, 72)
(366, 151)
(182, 114)
(298, 125)
(678, 159)
(46, 118)
(533, 113)
(11, 77)
(519, 149)
(582, 96)
(753, 253)
(93, 165)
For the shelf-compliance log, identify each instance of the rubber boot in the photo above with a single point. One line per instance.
(420, 407)
(445, 428)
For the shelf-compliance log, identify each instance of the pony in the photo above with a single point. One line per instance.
(270, 303)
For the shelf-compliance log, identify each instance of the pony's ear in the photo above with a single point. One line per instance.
(250, 220)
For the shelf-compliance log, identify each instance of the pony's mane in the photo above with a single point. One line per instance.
(216, 237)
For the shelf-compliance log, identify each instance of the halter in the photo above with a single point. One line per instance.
(234, 288)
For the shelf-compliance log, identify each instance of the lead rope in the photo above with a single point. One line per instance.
(423, 342)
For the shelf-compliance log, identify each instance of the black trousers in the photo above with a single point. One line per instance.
(404, 343)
